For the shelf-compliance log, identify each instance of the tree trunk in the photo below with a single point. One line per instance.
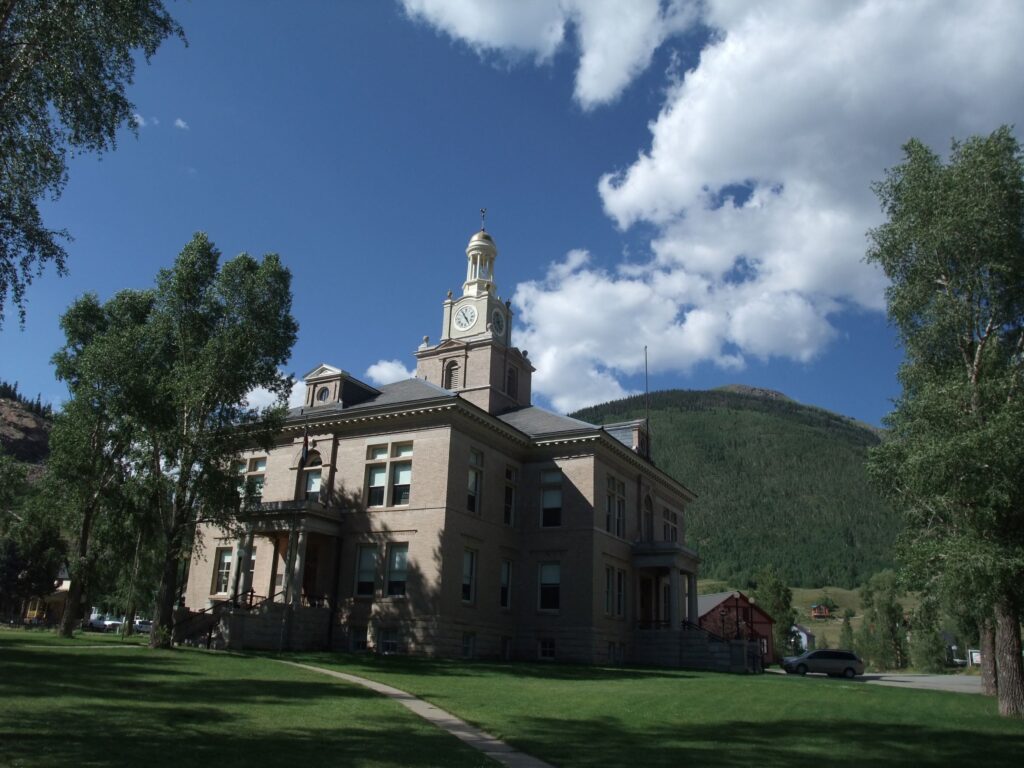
(1008, 660)
(989, 682)
(163, 621)
(73, 605)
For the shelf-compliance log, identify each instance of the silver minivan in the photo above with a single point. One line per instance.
(832, 663)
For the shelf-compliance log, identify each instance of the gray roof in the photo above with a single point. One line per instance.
(707, 603)
(536, 421)
(398, 393)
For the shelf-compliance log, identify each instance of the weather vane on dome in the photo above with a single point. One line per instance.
(483, 219)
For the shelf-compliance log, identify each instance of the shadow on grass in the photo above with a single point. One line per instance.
(190, 708)
(426, 667)
(740, 744)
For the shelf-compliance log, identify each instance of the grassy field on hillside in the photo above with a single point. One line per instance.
(65, 703)
(576, 716)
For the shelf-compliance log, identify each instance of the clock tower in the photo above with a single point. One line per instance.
(475, 356)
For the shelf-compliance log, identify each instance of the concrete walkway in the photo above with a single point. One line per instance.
(494, 748)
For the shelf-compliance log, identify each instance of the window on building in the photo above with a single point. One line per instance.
(451, 375)
(468, 576)
(398, 555)
(505, 597)
(357, 637)
(387, 640)
(254, 477)
(648, 529)
(609, 590)
(669, 525)
(239, 468)
(366, 571)
(512, 383)
(376, 482)
(511, 483)
(222, 570)
(469, 645)
(551, 498)
(388, 478)
(550, 586)
(546, 648)
(401, 482)
(620, 593)
(322, 394)
(615, 507)
(474, 498)
(312, 469)
(620, 510)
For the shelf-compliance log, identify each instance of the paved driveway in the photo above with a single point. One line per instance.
(954, 683)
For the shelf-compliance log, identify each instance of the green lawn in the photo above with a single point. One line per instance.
(65, 704)
(581, 716)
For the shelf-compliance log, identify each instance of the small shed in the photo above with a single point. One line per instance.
(819, 611)
(734, 615)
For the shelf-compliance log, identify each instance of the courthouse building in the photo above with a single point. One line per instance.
(448, 515)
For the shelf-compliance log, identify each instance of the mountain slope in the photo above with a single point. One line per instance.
(779, 483)
(23, 434)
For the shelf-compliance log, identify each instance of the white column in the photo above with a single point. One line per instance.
(289, 563)
(691, 598)
(673, 598)
(298, 570)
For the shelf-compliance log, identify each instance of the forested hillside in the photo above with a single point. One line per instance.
(779, 483)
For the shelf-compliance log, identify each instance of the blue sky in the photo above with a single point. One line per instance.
(693, 177)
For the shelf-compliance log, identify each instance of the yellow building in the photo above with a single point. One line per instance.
(447, 515)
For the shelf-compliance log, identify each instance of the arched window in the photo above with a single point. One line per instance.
(322, 394)
(451, 375)
(512, 383)
(312, 470)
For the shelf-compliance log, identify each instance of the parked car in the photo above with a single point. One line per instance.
(97, 622)
(831, 663)
(143, 626)
(112, 624)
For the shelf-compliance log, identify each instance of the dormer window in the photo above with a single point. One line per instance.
(322, 394)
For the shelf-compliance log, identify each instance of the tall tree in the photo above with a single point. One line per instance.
(88, 469)
(883, 635)
(64, 69)
(953, 250)
(775, 598)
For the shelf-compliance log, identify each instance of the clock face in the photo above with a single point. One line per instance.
(498, 322)
(465, 318)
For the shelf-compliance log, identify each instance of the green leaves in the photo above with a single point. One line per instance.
(64, 69)
(953, 462)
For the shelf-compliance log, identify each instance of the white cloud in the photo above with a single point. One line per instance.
(616, 39)
(264, 398)
(757, 183)
(139, 120)
(388, 371)
(179, 123)
(757, 179)
(154, 121)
